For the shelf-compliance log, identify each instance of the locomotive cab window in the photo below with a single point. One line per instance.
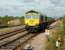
(33, 16)
(28, 17)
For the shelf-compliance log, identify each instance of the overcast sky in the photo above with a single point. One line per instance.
(19, 7)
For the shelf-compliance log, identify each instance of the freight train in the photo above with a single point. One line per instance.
(34, 21)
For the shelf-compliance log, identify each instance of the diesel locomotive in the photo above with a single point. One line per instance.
(34, 21)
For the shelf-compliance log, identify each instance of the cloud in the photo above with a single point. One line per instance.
(19, 7)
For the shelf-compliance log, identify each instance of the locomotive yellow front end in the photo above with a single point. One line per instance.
(32, 21)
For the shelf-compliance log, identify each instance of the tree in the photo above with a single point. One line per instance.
(22, 19)
(49, 20)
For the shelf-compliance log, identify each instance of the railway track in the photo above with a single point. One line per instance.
(11, 30)
(9, 37)
(11, 33)
(17, 44)
(14, 40)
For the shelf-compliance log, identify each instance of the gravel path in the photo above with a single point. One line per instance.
(39, 42)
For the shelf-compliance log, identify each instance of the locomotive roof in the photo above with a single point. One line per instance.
(32, 11)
